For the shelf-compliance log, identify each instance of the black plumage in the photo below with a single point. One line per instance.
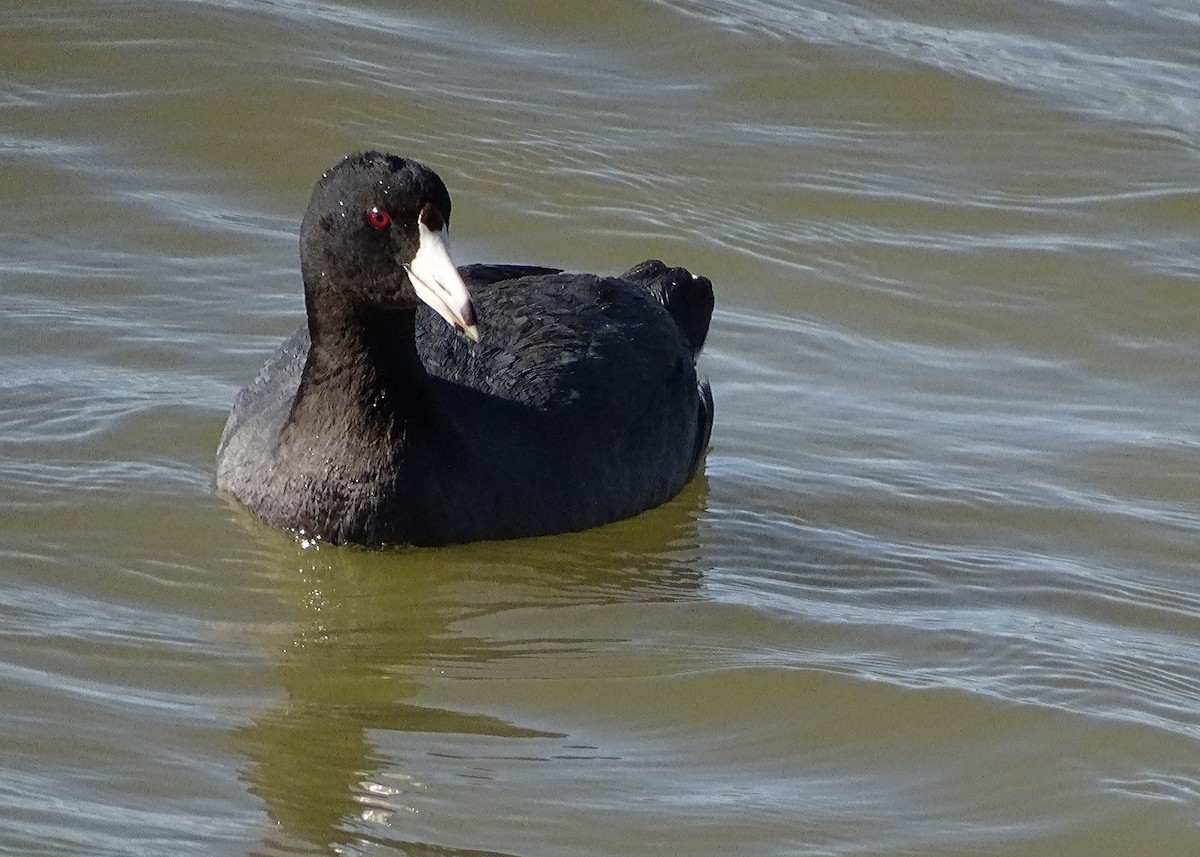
(579, 405)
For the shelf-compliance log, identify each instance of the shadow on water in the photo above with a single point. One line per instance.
(369, 624)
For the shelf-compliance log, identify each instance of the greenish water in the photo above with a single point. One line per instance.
(938, 592)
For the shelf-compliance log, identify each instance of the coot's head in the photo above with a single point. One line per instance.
(375, 232)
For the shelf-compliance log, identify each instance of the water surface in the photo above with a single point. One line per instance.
(936, 593)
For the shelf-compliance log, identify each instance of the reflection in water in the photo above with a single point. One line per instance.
(371, 623)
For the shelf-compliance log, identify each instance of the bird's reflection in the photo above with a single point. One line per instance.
(369, 623)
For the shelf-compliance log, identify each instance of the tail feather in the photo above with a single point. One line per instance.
(687, 297)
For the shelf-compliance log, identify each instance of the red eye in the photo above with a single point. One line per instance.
(379, 218)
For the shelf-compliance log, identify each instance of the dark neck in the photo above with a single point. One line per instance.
(363, 380)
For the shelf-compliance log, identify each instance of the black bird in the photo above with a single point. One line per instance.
(563, 402)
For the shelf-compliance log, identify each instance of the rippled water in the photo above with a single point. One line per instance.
(938, 592)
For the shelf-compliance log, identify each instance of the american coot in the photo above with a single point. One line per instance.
(572, 402)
